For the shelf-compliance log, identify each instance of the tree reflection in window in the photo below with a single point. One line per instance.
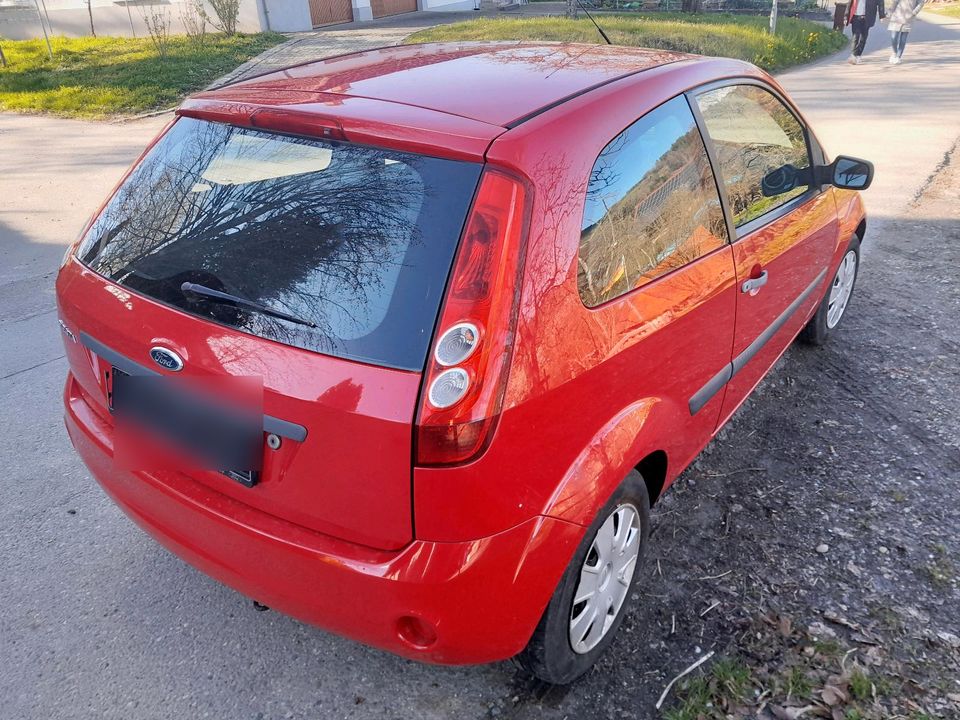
(754, 135)
(320, 230)
(652, 205)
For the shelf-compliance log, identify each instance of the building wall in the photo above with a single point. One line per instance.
(70, 18)
(447, 5)
(362, 10)
(288, 15)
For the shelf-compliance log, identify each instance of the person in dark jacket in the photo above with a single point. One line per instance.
(861, 16)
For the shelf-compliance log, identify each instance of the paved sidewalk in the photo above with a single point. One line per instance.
(904, 118)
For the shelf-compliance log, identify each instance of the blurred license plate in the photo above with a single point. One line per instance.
(210, 432)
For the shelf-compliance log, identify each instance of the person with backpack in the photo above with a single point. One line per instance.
(861, 16)
(903, 13)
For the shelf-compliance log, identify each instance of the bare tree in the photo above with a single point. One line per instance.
(46, 34)
(93, 30)
(226, 12)
(158, 25)
(194, 21)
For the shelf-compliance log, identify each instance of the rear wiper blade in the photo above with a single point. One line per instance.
(204, 291)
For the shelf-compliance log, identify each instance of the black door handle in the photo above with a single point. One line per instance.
(753, 285)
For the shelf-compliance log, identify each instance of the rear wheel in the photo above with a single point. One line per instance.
(594, 592)
(837, 299)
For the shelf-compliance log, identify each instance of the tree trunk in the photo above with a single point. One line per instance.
(3, 58)
(93, 30)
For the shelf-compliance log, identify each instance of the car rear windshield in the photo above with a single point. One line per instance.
(333, 247)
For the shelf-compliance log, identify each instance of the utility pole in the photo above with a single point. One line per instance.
(773, 18)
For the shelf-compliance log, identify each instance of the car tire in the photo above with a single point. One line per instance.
(550, 654)
(837, 299)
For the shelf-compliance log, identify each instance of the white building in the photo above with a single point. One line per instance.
(19, 19)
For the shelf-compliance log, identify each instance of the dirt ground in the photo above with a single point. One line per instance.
(813, 546)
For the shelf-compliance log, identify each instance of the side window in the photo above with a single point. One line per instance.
(652, 205)
(761, 148)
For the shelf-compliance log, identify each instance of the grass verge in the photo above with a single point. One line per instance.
(101, 77)
(743, 37)
(949, 9)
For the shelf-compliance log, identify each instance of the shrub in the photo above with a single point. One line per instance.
(194, 21)
(158, 25)
(226, 12)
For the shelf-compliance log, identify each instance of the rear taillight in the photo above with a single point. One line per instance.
(467, 369)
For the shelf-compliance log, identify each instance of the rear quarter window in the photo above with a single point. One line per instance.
(355, 241)
(652, 205)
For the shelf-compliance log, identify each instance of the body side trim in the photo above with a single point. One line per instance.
(718, 381)
(753, 348)
(713, 386)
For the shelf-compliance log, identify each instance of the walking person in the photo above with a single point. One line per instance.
(903, 13)
(861, 16)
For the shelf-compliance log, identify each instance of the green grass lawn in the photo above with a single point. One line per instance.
(100, 77)
(950, 9)
(736, 36)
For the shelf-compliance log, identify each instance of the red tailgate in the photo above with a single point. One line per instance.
(349, 477)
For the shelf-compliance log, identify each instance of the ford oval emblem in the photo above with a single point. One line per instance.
(167, 359)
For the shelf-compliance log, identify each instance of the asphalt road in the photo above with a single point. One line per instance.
(99, 621)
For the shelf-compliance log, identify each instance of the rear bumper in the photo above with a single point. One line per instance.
(480, 599)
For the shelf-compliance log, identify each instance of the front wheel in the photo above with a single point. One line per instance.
(837, 299)
(589, 603)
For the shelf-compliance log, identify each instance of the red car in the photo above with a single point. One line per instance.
(453, 317)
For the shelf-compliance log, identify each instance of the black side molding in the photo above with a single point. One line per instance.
(283, 428)
(713, 386)
(717, 382)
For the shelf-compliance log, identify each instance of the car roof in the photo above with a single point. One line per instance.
(498, 83)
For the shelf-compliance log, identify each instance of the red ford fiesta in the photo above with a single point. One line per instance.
(406, 343)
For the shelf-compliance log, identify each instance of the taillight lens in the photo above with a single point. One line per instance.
(467, 372)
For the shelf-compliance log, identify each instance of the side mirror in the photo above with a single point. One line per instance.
(779, 180)
(848, 173)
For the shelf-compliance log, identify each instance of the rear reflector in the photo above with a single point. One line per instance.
(482, 301)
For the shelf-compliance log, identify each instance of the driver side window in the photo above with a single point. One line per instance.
(761, 148)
